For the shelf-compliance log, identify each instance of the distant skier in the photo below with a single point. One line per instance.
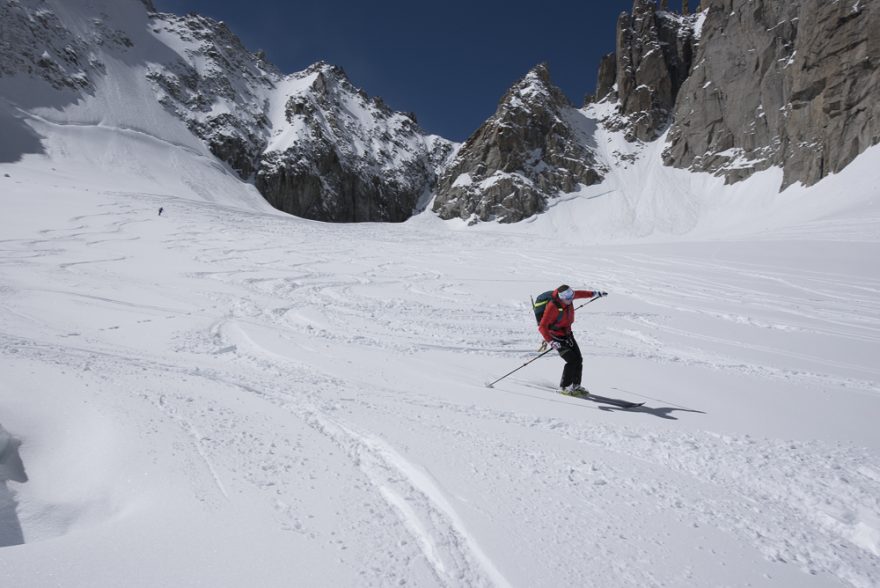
(160, 210)
(556, 314)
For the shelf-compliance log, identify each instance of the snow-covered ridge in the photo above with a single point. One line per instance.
(116, 65)
(321, 101)
(292, 134)
(216, 85)
(337, 154)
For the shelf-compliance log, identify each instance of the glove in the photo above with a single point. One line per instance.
(600, 294)
(555, 344)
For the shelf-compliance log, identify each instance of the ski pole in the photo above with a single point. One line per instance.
(490, 384)
(593, 299)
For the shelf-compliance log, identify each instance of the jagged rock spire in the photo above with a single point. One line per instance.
(652, 60)
(529, 151)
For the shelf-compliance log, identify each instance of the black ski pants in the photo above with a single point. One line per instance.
(574, 361)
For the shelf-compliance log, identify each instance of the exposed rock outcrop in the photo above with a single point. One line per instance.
(652, 60)
(790, 84)
(533, 148)
(349, 157)
(34, 42)
(730, 114)
(218, 88)
(607, 77)
(833, 110)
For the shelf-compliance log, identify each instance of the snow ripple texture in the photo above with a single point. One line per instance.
(319, 389)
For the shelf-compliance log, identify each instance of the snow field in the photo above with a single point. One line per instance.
(228, 396)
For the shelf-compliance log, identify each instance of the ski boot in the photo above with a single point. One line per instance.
(574, 390)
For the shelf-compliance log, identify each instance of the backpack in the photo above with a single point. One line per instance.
(539, 305)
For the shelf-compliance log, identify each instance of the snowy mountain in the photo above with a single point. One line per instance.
(311, 143)
(216, 86)
(335, 154)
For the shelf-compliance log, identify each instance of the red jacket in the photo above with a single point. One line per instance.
(550, 327)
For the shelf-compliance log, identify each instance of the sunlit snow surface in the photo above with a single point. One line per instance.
(227, 396)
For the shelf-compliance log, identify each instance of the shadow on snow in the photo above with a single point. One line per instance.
(11, 470)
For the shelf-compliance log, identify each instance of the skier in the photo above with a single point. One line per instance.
(160, 210)
(555, 327)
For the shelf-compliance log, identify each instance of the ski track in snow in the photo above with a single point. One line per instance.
(272, 320)
(423, 511)
(773, 536)
(197, 440)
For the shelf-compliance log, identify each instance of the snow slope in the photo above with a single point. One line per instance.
(641, 200)
(226, 396)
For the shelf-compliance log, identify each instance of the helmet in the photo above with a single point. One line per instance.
(566, 294)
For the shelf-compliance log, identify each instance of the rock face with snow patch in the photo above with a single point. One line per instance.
(342, 156)
(652, 61)
(329, 152)
(217, 87)
(533, 148)
(790, 84)
(34, 42)
(314, 145)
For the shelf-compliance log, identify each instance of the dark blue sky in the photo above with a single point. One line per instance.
(448, 62)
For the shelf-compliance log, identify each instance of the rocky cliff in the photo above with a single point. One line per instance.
(652, 60)
(744, 85)
(533, 148)
(218, 87)
(790, 84)
(340, 155)
(35, 42)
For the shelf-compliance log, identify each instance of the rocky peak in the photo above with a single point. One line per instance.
(326, 77)
(339, 155)
(652, 59)
(533, 148)
(535, 92)
(330, 84)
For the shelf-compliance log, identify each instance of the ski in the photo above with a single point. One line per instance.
(620, 403)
